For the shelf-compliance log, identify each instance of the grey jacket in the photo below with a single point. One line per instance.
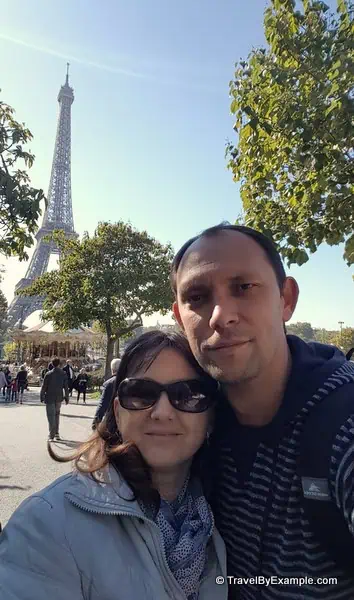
(82, 540)
(53, 384)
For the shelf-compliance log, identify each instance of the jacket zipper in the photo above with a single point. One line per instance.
(160, 545)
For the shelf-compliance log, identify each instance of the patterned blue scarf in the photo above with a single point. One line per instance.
(186, 525)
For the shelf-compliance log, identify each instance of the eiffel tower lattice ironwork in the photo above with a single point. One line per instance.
(58, 214)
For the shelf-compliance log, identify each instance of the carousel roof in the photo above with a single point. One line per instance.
(45, 332)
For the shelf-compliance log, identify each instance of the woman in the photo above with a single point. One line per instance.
(133, 521)
(21, 382)
(81, 385)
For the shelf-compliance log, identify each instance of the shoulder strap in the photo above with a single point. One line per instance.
(349, 354)
(329, 525)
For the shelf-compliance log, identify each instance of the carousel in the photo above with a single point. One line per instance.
(40, 344)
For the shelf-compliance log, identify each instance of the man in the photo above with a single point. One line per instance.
(52, 394)
(69, 371)
(232, 299)
(107, 394)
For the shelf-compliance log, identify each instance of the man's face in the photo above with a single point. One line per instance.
(230, 306)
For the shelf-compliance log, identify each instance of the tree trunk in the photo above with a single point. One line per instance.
(116, 348)
(109, 357)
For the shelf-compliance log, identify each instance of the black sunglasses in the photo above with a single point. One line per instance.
(193, 396)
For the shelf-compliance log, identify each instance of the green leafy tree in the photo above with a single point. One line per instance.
(3, 313)
(19, 202)
(325, 336)
(294, 109)
(344, 339)
(303, 330)
(113, 278)
(10, 351)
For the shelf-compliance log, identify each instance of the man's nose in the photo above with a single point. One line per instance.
(224, 314)
(163, 409)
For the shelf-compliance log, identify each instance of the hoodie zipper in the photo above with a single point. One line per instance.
(259, 593)
(160, 545)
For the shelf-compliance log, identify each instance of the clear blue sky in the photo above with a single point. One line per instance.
(150, 118)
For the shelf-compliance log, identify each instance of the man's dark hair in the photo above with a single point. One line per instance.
(260, 239)
(56, 362)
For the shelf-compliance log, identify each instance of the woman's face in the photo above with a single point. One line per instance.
(166, 437)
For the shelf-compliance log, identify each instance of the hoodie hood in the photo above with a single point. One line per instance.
(312, 364)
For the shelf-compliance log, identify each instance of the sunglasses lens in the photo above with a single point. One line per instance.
(137, 394)
(191, 396)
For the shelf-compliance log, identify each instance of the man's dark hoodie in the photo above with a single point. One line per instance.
(258, 499)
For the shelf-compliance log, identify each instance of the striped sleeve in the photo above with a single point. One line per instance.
(342, 471)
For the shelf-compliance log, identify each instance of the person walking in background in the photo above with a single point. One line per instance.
(14, 389)
(6, 371)
(8, 386)
(81, 385)
(54, 383)
(21, 382)
(69, 371)
(43, 374)
(107, 394)
(2, 380)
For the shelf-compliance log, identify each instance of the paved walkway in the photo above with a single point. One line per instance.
(25, 466)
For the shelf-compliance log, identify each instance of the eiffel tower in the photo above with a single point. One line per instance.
(58, 214)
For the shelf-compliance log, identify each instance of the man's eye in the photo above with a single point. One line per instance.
(240, 288)
(195, 298)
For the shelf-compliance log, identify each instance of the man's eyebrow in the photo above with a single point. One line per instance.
(207, 281)
(241, 278)
(194, 283)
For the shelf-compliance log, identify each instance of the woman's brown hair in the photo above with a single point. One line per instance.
(106, 445)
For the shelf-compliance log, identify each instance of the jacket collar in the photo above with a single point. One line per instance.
(110, 495)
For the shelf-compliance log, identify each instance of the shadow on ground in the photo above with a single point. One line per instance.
(75, 416)
(12, 487)
(15, 487)
(69, 443)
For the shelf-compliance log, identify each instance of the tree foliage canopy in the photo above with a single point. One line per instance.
(302, 329)
(342, 339)
(294, 109)
(114, 278)
(19, 202)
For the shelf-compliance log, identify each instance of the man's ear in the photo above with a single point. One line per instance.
(290, 297)
(175, 310)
